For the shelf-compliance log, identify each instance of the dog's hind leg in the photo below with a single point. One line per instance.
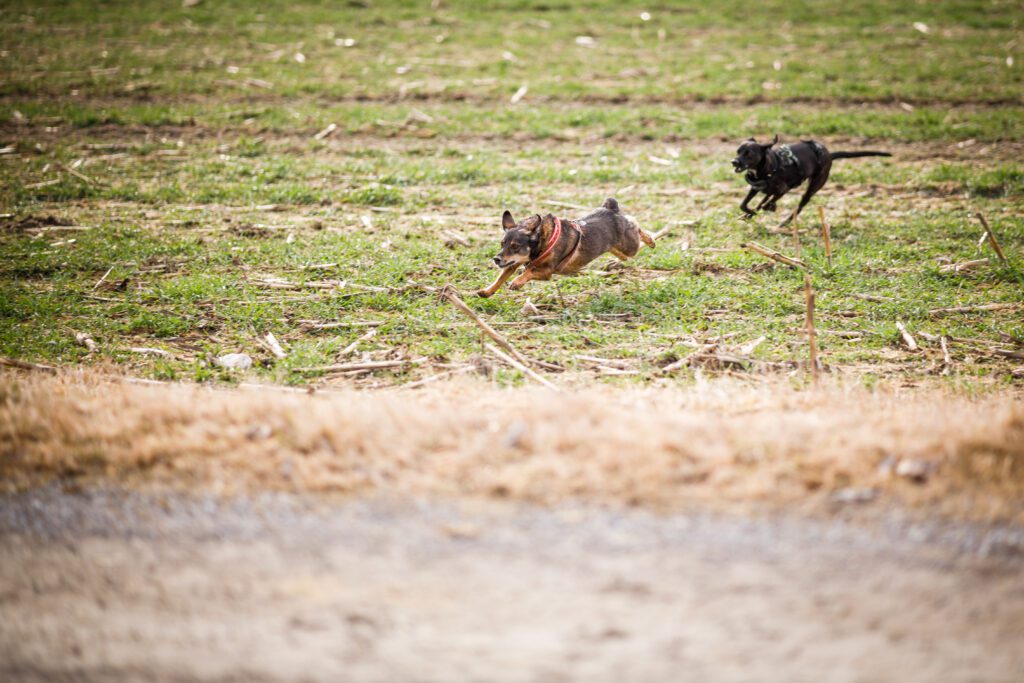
(618, 254)
(646, 238)
(813, 185)
(505, 274)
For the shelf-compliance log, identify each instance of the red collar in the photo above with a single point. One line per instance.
(551, 242)
(554, 240)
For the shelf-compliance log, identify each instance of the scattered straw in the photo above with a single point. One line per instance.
(721, 442)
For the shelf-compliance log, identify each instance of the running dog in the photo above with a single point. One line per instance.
(777, 171)
(550, 245)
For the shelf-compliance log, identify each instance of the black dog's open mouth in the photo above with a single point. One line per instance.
(738, 168)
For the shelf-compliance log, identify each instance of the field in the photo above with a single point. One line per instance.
(318, 185)
(174, 151)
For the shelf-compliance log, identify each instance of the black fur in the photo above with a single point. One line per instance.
(777, 171)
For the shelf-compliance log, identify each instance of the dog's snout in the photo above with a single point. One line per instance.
(497, 260)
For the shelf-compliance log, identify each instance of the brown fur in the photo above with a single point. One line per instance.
(606, 230)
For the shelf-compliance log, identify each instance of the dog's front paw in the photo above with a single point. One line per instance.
(769, 207)
(483, 293)
(516, 286)
(747, 216)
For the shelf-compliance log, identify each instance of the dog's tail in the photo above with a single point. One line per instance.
(854, 155)
(613, 206)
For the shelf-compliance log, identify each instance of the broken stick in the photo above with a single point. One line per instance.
(521, 367)
(434, 378)
(564, 205)
(661, 233)
(351, 348)
(963, 265)
(81, 176)
(796, 235)
(331, 127)
(270, 341)
(826, 235)
(147, 351)
(700, 352)
(350, 367)
(972, 309)
(449, 293)
(908, 339)
(102, 279)
(25, 365)
(85, 340)
(774, 255)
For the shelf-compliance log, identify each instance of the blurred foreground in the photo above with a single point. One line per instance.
(284, 588)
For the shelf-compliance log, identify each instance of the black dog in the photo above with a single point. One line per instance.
(777, 171)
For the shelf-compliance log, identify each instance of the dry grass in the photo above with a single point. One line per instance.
(717, 443)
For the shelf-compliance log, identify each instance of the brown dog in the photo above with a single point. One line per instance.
(550, 245)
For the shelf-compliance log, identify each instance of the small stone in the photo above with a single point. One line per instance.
(462, 530)
(886, 467)
(854, 495)
(1002, 543)
(235, 361)
(259, 432)
(515, 434)
(287, 468)
(915, 470)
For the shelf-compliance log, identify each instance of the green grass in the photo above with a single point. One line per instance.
(182, 157)
(732, 48)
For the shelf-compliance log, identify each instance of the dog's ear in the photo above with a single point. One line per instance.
(535, 222)
(507, 221)
(771, 144)
(751, 140)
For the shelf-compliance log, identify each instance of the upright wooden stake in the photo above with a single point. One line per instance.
(992, 238)
(947, 362)
(811, 335)
(826, 236)
(796, 235)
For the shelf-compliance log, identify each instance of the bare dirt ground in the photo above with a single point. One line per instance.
(108, 585)
(133, 137)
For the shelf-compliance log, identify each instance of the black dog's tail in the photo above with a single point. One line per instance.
(854, 155)
(611, 204)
